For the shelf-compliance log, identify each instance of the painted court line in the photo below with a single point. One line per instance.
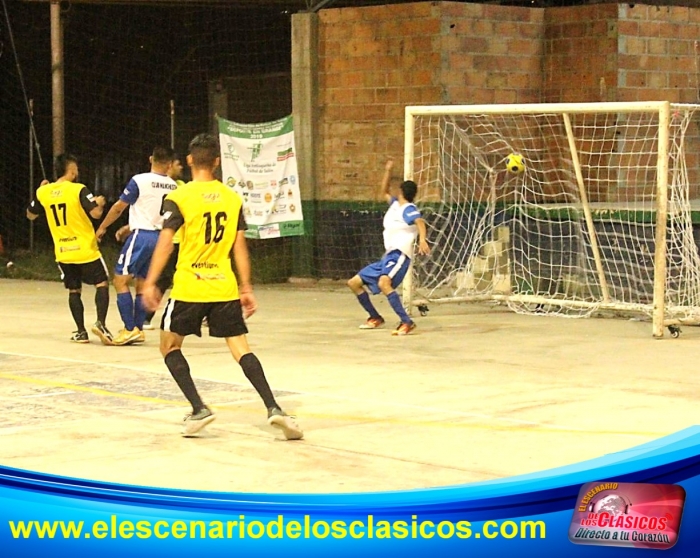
(544, 427)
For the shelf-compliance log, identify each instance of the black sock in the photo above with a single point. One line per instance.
(102, 303)
(75, 303)
(253, 370)
(180, 370)
(149, 316)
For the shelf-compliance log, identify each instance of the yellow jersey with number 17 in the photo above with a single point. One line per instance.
(72, 231)
(210, 213)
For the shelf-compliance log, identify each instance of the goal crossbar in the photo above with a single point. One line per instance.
(497, 236)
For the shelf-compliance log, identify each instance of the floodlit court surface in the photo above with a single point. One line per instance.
(477, 393)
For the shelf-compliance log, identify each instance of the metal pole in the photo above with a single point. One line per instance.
(58, 116)
(172, 123)
(31, 171)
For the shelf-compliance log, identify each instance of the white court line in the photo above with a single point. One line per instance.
(361, 400)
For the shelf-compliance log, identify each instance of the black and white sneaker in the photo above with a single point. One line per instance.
(194, 422)
(80, 337)
(103, 333)
(279, 419)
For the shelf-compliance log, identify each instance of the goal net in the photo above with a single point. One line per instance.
(597, 219)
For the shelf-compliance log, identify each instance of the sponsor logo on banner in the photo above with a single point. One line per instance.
(264, 172)
(634, 515)
(269, 231)
(285, 154)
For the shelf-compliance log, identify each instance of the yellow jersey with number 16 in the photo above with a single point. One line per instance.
(72, 231)
(210, 213)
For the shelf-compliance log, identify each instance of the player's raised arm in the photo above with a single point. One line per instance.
(384, 193)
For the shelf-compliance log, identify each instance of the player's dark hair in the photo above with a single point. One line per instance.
(61, 162)
(163, 155)
(204, 149)
(409, 189)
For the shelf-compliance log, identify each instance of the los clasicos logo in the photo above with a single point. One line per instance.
(634, 515)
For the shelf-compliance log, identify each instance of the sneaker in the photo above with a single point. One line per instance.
(194, 422)
(148, 325)
(103, 333)
(205, 322)
(279, 419)
(404, 329)
(126, 337)
(140, 339)
(80, 337)
(373, 323)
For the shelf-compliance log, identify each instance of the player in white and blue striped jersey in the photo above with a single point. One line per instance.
(402, 223)
(143, 195)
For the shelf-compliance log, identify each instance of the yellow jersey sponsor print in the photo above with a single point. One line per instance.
(210, 212)
(71, 228)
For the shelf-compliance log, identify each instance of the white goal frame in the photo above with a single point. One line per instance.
(661, 108)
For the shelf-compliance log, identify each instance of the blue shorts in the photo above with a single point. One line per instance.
(395, 264)
(135, 257)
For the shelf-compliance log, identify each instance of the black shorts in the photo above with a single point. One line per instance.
(91, 273)
(165, 281)
(185, 318)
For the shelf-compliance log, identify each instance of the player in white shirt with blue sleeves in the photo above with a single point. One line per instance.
(143, 195)
(402, 223)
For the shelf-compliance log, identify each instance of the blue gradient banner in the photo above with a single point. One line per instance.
(530, 515)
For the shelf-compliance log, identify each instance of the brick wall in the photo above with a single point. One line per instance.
(374, 61)
(580, 54)
(657, 53)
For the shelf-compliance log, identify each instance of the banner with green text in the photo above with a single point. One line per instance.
(259, 162)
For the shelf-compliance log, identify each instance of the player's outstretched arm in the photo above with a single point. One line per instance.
(31, 215)
(241, 258)
(386, 181)
(423, 247)
(96, 212)
(112, 215)
(161, 254)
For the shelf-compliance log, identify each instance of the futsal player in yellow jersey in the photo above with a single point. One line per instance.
(68, 207)
(209, 218)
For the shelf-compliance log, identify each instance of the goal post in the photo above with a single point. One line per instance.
(597, 220)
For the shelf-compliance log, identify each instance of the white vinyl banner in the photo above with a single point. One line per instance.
(259, 162)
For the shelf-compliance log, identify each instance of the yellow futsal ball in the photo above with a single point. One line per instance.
(515, 163)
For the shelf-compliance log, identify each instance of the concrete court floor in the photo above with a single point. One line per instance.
(477, 393)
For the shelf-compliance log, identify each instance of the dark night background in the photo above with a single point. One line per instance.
(123, 66)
